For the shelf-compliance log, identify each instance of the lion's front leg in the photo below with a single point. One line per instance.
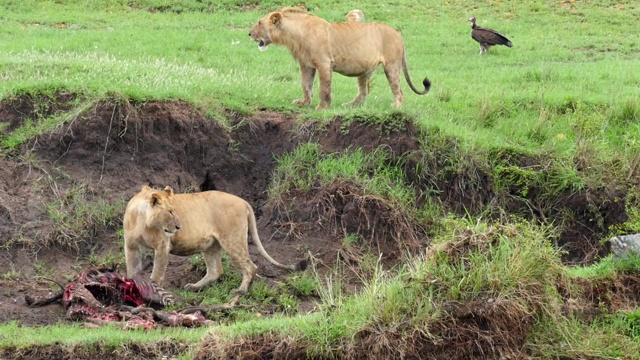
(160, 261)
(307, 75)
(325, 75)
(132, 256)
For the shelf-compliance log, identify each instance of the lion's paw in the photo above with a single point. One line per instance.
(239, 292)
(191, 287)
(301, 102)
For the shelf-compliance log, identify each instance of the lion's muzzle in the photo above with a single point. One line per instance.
(169, 231)
(262, 42)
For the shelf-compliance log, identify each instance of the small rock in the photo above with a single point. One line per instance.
(624, 246)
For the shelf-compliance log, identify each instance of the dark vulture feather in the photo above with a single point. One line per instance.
(487, 37)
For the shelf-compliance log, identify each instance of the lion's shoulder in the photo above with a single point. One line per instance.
(293, 11)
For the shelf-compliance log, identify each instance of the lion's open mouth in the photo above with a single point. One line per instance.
(262, 45)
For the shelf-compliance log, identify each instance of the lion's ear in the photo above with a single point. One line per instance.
(168, 190)
(275, 18)
(155, 199)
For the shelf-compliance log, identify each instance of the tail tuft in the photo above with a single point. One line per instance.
(427, 85)
(302, 265)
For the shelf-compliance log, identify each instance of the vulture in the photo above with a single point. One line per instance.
(487, 37)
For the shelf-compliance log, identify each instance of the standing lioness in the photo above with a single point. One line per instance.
(186, 224)
(350, 48)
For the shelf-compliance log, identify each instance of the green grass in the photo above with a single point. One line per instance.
(69, 335)
(77, 214)
(514, 264)
(570, 63)
(307, 167)
(566, 94)
(606, 268)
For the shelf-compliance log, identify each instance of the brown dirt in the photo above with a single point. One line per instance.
(117, 146)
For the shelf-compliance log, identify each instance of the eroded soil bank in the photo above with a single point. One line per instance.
(107, 152)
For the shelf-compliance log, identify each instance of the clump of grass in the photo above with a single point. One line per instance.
(40, 121)
(11, 274)
(303, 285)
(386, 121)
(627, 113)
(307, 167)
(76, 216)
(605, 268)
(513, 174)
(490, 110)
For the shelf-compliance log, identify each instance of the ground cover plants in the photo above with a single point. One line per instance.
(471, 223)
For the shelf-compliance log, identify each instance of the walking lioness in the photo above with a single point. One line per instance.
(352, 48)
(186, 224)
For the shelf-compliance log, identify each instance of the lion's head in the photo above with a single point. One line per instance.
(265, 31)
(355, 15)
(160, 213)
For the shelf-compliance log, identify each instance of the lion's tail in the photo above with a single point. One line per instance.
(426, 83)
(253, 229)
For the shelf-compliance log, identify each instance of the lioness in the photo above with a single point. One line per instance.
(350, 48)
(185, 224)
(355, 15)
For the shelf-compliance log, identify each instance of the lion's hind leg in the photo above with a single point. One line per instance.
(248, 269)
(392, 71)
(364, 86)
(213, 259)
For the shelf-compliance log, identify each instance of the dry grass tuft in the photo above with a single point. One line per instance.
(343, 209)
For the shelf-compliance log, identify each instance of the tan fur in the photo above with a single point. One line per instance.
(186, 224)
(351, 48)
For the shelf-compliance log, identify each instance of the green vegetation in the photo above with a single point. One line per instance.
(556, 114)
(77, 214)
(506, 276)
(567, 86)
(308, 167)
(111, 340)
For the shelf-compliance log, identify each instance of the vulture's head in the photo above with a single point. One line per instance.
(472, 20)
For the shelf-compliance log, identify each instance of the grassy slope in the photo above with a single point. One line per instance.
(566, 57)
(568, 87)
